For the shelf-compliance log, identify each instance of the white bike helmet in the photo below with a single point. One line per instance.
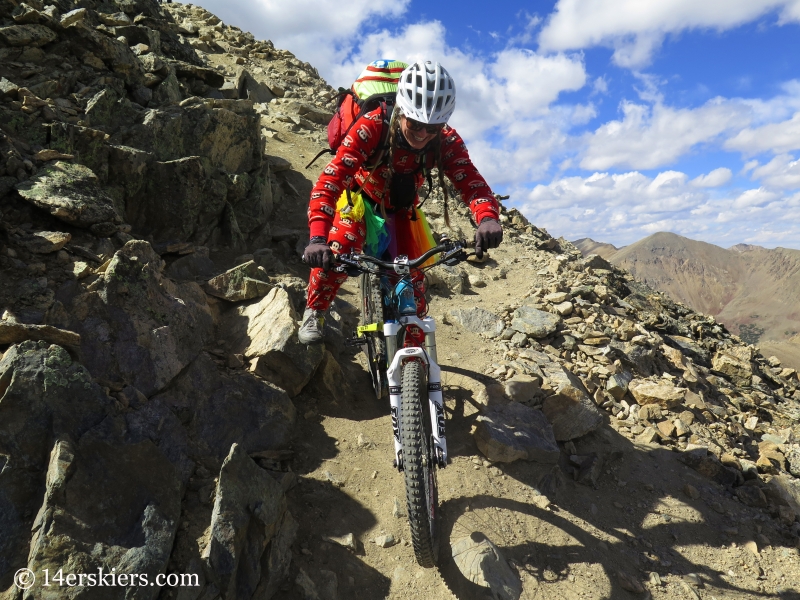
(426, 93)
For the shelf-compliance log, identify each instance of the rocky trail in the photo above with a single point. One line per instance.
(158, 416)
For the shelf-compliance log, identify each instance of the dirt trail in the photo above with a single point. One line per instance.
(566, 540)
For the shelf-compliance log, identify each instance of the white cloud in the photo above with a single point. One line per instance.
(782, 172)
(636, 29)
(715, 178)
(321, 32)
(752, 198)
(623, 208)
(651, 137)
(775, 137)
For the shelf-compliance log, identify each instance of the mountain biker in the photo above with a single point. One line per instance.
(341, 220)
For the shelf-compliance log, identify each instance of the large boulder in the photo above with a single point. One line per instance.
(479, 320)
(534, 323)
(43, 395)
(735, 363)
(115, 53)
(569, 409)
(784, 490)
(110, 506)
(27, 35)
(43, 242)
(230, 140)
(513, 431)
(266, 333)
(662, 393)
(242, 282)
(72, 193)
(175, 200)
(251, 530)
(221, 408)
(137, 327)
(482, 563)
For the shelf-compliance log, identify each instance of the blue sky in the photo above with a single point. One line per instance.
(609, 119)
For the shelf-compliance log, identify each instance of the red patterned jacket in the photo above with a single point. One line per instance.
(360, 144)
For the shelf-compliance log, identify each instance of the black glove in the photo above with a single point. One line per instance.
(489, 235)
(318, 254)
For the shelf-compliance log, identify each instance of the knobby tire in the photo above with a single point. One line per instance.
(372, 312)
(418, 469)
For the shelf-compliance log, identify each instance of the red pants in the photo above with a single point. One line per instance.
(345, 236)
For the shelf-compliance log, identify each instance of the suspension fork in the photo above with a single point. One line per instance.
(395, 377)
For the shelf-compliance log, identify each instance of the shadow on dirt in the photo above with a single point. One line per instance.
(634, 522)
(327, 511)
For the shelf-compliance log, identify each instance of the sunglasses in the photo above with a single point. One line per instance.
(417, 126)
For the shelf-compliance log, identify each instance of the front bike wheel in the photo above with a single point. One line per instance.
(372, 312)
(418, 464)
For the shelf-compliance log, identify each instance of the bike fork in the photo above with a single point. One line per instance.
(435, 401)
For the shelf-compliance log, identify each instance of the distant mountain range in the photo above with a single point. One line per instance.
(754, 291)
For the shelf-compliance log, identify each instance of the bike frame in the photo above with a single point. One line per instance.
(394, 371)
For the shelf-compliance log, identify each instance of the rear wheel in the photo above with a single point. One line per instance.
(372, 312)
(418, 464)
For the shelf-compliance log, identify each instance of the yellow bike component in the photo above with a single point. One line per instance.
(372, 327)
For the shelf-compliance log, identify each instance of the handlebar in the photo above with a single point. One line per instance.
(450, 251)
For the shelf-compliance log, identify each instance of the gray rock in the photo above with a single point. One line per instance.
(14, 333)
(107, 505)
(735, 362)
(266, 333)
(324, 585)
(168, 92)
(595, 261)
(751, 496)
(522, 388)
(513, 431)
(8, 89)
(192, 266)
(793, 461)
(44, 242)
(242, 282)
(479, 320)
(662, 393)
(175, 200)
(570, 409)
(534, 323)
(617, 384)
(385, 541)
(447, 280)
(784, 490)
(139, 328)
(249, 525)
(45, 395)
(114, 53)
(72, 193)
(72, 17)
(27, 35)
(233, 407)
(229, 139)
(709, 466)
(482, 563)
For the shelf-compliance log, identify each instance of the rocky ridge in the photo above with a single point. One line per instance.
(151, 378)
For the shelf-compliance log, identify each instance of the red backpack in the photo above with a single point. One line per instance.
(375, 87)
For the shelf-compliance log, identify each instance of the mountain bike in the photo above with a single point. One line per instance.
(401, 350)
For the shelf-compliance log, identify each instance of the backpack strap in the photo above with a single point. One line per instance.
(320, 153)
(382, 146)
